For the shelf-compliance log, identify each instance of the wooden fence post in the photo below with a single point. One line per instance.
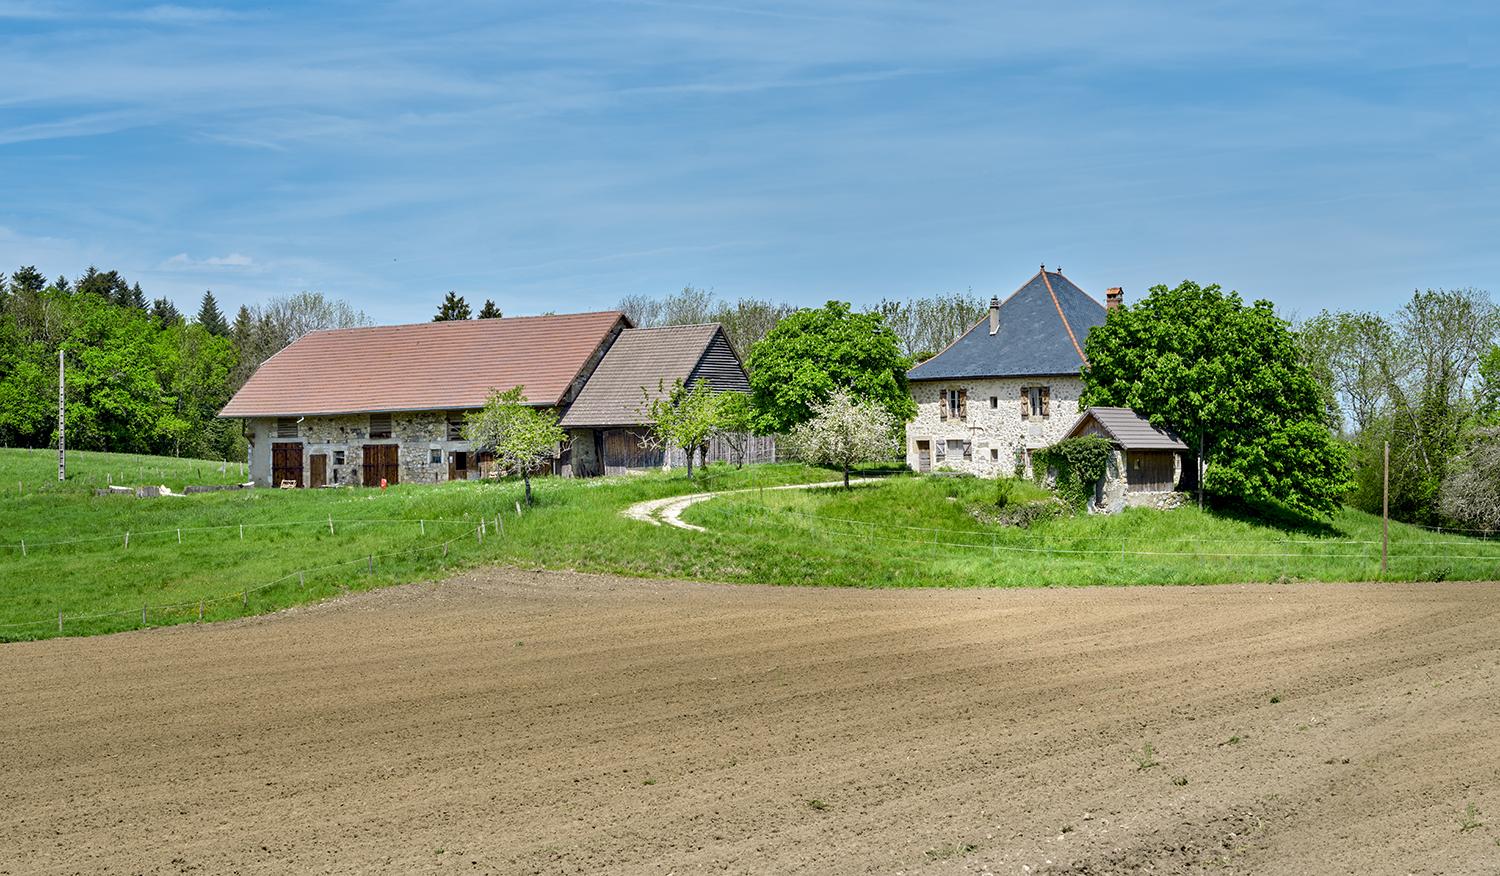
(330, 524)
(143, 614)
(244, 599)
(301, 580)
(242, 532)
(59, 621)
(127, 539)
(23, 547)
(370, 565)
(423, 525)
(1385, 510)
(200, 611)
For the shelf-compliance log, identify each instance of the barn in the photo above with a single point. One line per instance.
(364, 405)
(1147, 461)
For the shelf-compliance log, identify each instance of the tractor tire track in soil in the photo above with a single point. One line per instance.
(539, 722)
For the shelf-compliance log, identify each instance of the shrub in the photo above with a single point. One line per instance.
(1080, 463)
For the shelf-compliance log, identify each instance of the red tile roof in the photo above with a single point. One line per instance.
(426, 366)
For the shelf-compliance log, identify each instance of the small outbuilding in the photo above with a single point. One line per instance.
(1147, 465)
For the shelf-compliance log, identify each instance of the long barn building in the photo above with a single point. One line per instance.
(365, 405)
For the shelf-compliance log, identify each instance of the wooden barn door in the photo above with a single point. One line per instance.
(381, 461)
(286, 462)
(317, 470)
(1149, 471)
(924, 456)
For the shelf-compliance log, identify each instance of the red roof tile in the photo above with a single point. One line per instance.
(425, 366)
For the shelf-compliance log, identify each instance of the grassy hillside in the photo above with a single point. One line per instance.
(249, 551)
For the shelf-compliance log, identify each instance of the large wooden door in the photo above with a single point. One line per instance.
(381, 461)
(924, 456)
(458, 465)
(317, 474)
(286, 462)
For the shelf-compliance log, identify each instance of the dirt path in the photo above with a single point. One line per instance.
(669, 510)
(512, 722)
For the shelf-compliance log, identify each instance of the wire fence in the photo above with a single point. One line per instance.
(24, 547)
(239, 602)
(1125, 546)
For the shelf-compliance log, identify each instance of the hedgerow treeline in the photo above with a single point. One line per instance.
(923, 325)
(1426, 379)
(141, 376)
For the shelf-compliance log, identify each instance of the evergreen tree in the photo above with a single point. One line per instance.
(137, 298)
(209, 316)
(27, 279)
(489, 310)
(453, 307)
(62, 285)
(164, 313)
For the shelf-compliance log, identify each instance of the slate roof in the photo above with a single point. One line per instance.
(426, 366)
(1042, 329)
(1128, 429)
(640, 358)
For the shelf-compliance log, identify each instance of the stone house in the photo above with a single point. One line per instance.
(1007, 386)
(364, 405)
(1146, 467)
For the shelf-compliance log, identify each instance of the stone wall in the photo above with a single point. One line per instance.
(998, 437)
(418, 435)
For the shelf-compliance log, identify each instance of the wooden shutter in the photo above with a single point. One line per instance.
(963, 404)
(1046, 401)
(1025, 402)
(380, 425)
(968, 450)
(942, 404)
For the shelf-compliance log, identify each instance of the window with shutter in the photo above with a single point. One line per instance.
(286, 427)
(1025, 402)
(938, 448)
(963, 405)
(380, 425)
(968, 450)
(1046, 401)
(942, 404)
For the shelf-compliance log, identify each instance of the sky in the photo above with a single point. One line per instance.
(556, 156)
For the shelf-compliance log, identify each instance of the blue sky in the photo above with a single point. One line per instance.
(556, 155)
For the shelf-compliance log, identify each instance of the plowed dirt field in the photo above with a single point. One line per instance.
(517, 722)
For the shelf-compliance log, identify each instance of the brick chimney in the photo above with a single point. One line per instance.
(994, 315)
(1114, 296)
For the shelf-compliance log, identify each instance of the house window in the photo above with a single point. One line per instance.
(956, 447)
(1036, 401)
(995, 454)
(953, 404)
(455, 426)
(338, 457)
(994, 402)
(380, 425)
(286, 427)
(435, 457)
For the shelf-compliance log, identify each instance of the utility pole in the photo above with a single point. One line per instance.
(62, 419)
(1385, 510)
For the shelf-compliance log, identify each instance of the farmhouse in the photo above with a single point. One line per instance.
(387, 403)
(1007, 386)
(1146, 464)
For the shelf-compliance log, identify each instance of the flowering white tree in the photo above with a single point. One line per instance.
(844, 432)
(520, 436)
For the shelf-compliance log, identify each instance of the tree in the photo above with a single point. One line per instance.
(136, 298)
(489, 310)
(164, 313)
(1487, 395)
(812, 353)
(844, 432)
(520, 436)
(1228, 377)
(286, 318)
(209, 316)
(1471, 495)
(453, 307)
(926, 325)
(27, 279)
(734, 421)
(681, 416)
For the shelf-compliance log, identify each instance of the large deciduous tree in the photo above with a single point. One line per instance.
(812, 354)
(520, 436)
(1471, 494)
(844, 432)
(1230, 376)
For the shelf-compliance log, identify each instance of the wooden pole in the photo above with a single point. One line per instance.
(62, 420)
(1385, 510)
(59, 622)
(1200, 470)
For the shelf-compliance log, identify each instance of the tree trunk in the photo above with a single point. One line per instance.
(526, 479)
(689, 452)
(846, 475)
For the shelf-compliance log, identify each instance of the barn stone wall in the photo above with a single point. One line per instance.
(417, 434)
(998, 437)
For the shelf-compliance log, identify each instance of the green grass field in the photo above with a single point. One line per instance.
(233, 553)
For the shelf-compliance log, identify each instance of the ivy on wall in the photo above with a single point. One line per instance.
(1079, 463)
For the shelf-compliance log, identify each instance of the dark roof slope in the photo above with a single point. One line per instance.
(425, 366)
(643, 361)
(1042, 329)
(1128, 429)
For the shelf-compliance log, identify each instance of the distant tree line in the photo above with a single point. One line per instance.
(1426, 380)
(142, 377)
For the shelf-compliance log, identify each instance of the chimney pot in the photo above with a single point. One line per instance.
(1114, 296)
(994, 314)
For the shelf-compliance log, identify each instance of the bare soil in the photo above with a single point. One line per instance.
(517, 722)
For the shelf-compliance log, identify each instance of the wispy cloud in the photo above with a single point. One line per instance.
(183, 262)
